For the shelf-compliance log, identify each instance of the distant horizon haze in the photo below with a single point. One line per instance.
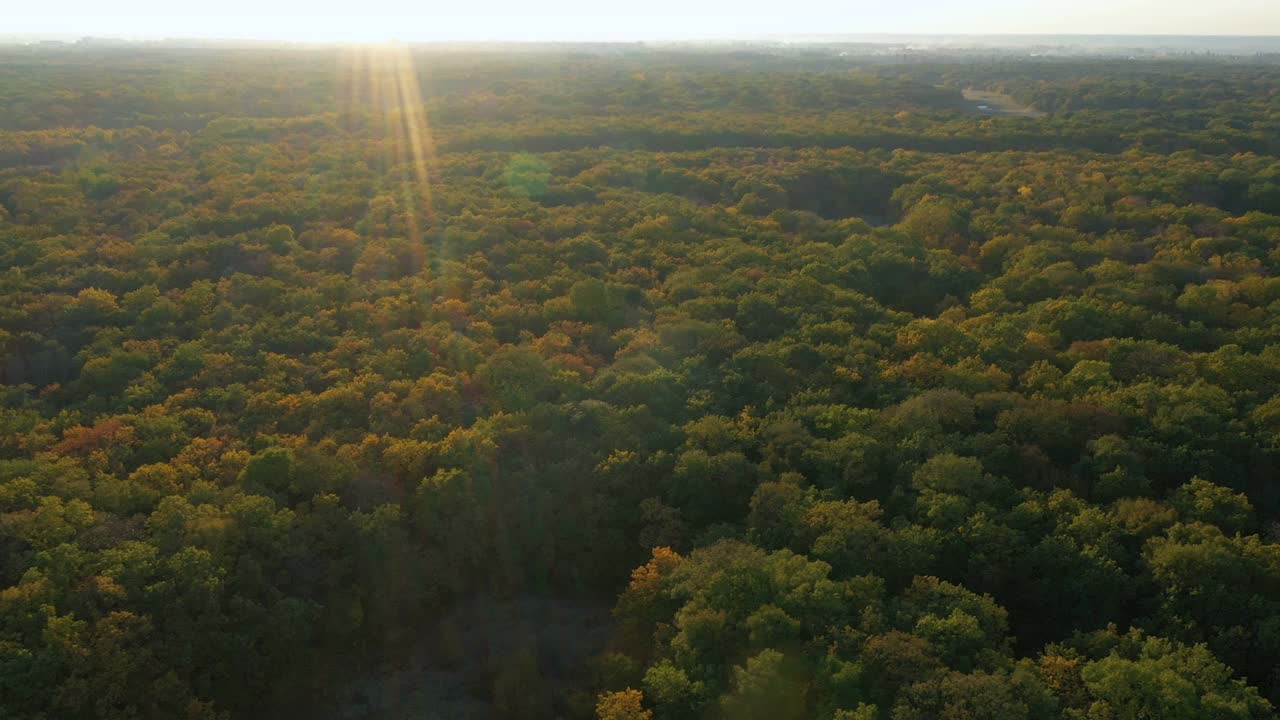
(657, 20)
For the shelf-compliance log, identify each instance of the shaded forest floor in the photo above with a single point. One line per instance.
(487, 658)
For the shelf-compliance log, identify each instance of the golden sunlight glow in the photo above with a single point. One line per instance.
(379, 84)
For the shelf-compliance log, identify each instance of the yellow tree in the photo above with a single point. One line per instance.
(622, 705)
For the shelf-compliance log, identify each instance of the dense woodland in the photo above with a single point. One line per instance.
(637, 384)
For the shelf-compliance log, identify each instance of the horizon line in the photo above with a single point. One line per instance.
(827, 36)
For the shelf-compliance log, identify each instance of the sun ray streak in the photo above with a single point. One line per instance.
(416, 124)
(397, 118)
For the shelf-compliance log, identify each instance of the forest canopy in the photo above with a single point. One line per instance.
(637, 384)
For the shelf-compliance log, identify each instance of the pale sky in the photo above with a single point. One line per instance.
(601, 20)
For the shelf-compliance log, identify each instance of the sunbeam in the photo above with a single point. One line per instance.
(380, 83)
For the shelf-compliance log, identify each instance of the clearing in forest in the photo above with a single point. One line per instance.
(994, 103)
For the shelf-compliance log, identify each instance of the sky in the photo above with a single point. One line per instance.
(627, 20)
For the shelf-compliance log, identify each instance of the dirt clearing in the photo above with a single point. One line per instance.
(994, 103)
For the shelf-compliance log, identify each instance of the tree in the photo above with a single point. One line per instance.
(1202, 501)
(515, 379)
(269, 472)
(622, 705)
(1153, 677)
(765, 688)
